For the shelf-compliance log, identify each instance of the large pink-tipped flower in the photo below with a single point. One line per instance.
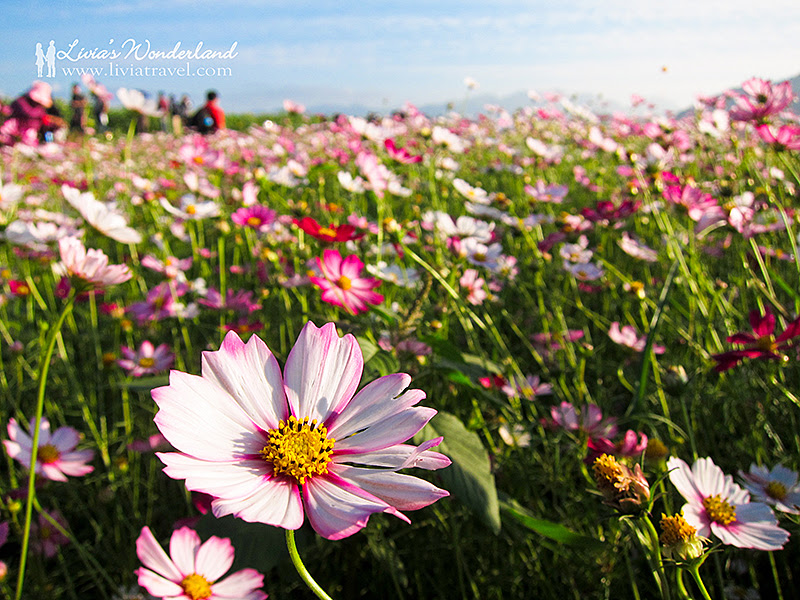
(272, 448)
(192, 569)
(56, 457)
(89, 268)
(715, 504)
(342, 283)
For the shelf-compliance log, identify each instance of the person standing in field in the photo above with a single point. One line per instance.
(210, 117)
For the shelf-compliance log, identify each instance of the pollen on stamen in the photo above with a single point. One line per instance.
(299, 449)
(719, 510)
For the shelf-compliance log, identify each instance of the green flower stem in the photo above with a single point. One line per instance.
(695, 571)
(655, 548)
(43, 370)
(301, 568)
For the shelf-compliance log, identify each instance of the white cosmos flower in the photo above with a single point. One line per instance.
(190, 208)
(137, 101)
(99, 216)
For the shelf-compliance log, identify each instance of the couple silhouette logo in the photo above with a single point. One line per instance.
(48, 57)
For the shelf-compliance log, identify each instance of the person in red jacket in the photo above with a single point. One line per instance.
(213, 108)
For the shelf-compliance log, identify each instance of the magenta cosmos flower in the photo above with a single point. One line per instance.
(146, 360)
(56, 456)
(255, 217)
(761, 344)
(89, 268)
(272, 448)
(715, 504)
(342, 284)
(192, 569)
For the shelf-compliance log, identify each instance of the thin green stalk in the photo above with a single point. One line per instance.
(647, 353)
(775, 577)
(655, 545)
(301, 568)
(43, 370)
(695, 571)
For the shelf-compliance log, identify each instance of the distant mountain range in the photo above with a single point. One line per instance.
(470, 105)
(475, 103)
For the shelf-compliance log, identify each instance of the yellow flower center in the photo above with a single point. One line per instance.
(776, 490)
(299, 449)
(344, 282)
(719, 510)
(766, 344)
(48, 454)
(191, 209)
(23, 290)
(198, 160)
(479, 256)
(675, 530)
(196, 587)
(146, 362)
(326, 231)
(608, 473)
(254, 221)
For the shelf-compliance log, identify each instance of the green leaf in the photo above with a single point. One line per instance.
(258, 546)
(368, 348)
(145, 384)
(554, 531)
(469, 478)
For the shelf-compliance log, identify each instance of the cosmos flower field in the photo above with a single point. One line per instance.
(543, 354)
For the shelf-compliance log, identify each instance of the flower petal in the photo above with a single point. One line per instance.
(65, 438)
(153, 556)
(157, 585)
(397, 457)
(377, 400)
(183, 547)
(681, 477)
(221, 479)
(251, 375)
(239, 584)
(276, 502)
(203, 420)
(337, 509)
(322, 372)
(404, 492)
(388, 432)
(214, 558)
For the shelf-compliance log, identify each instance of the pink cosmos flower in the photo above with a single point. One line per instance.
(631, 444)
(171, 266)
(192, 570)
(528, 387)
(256, 217)
(473, 286)
(761, 100)
(591, 420)
(777, 486)
(636, 249)
(56, 457)
(45, 538)
(716, 505)
(401, 155)
(89, 268)
(627, 336)
(342, 284)
(146, 360)
(785, 137)
(273, 449)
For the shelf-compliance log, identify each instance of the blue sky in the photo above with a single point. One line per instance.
(382, 54)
